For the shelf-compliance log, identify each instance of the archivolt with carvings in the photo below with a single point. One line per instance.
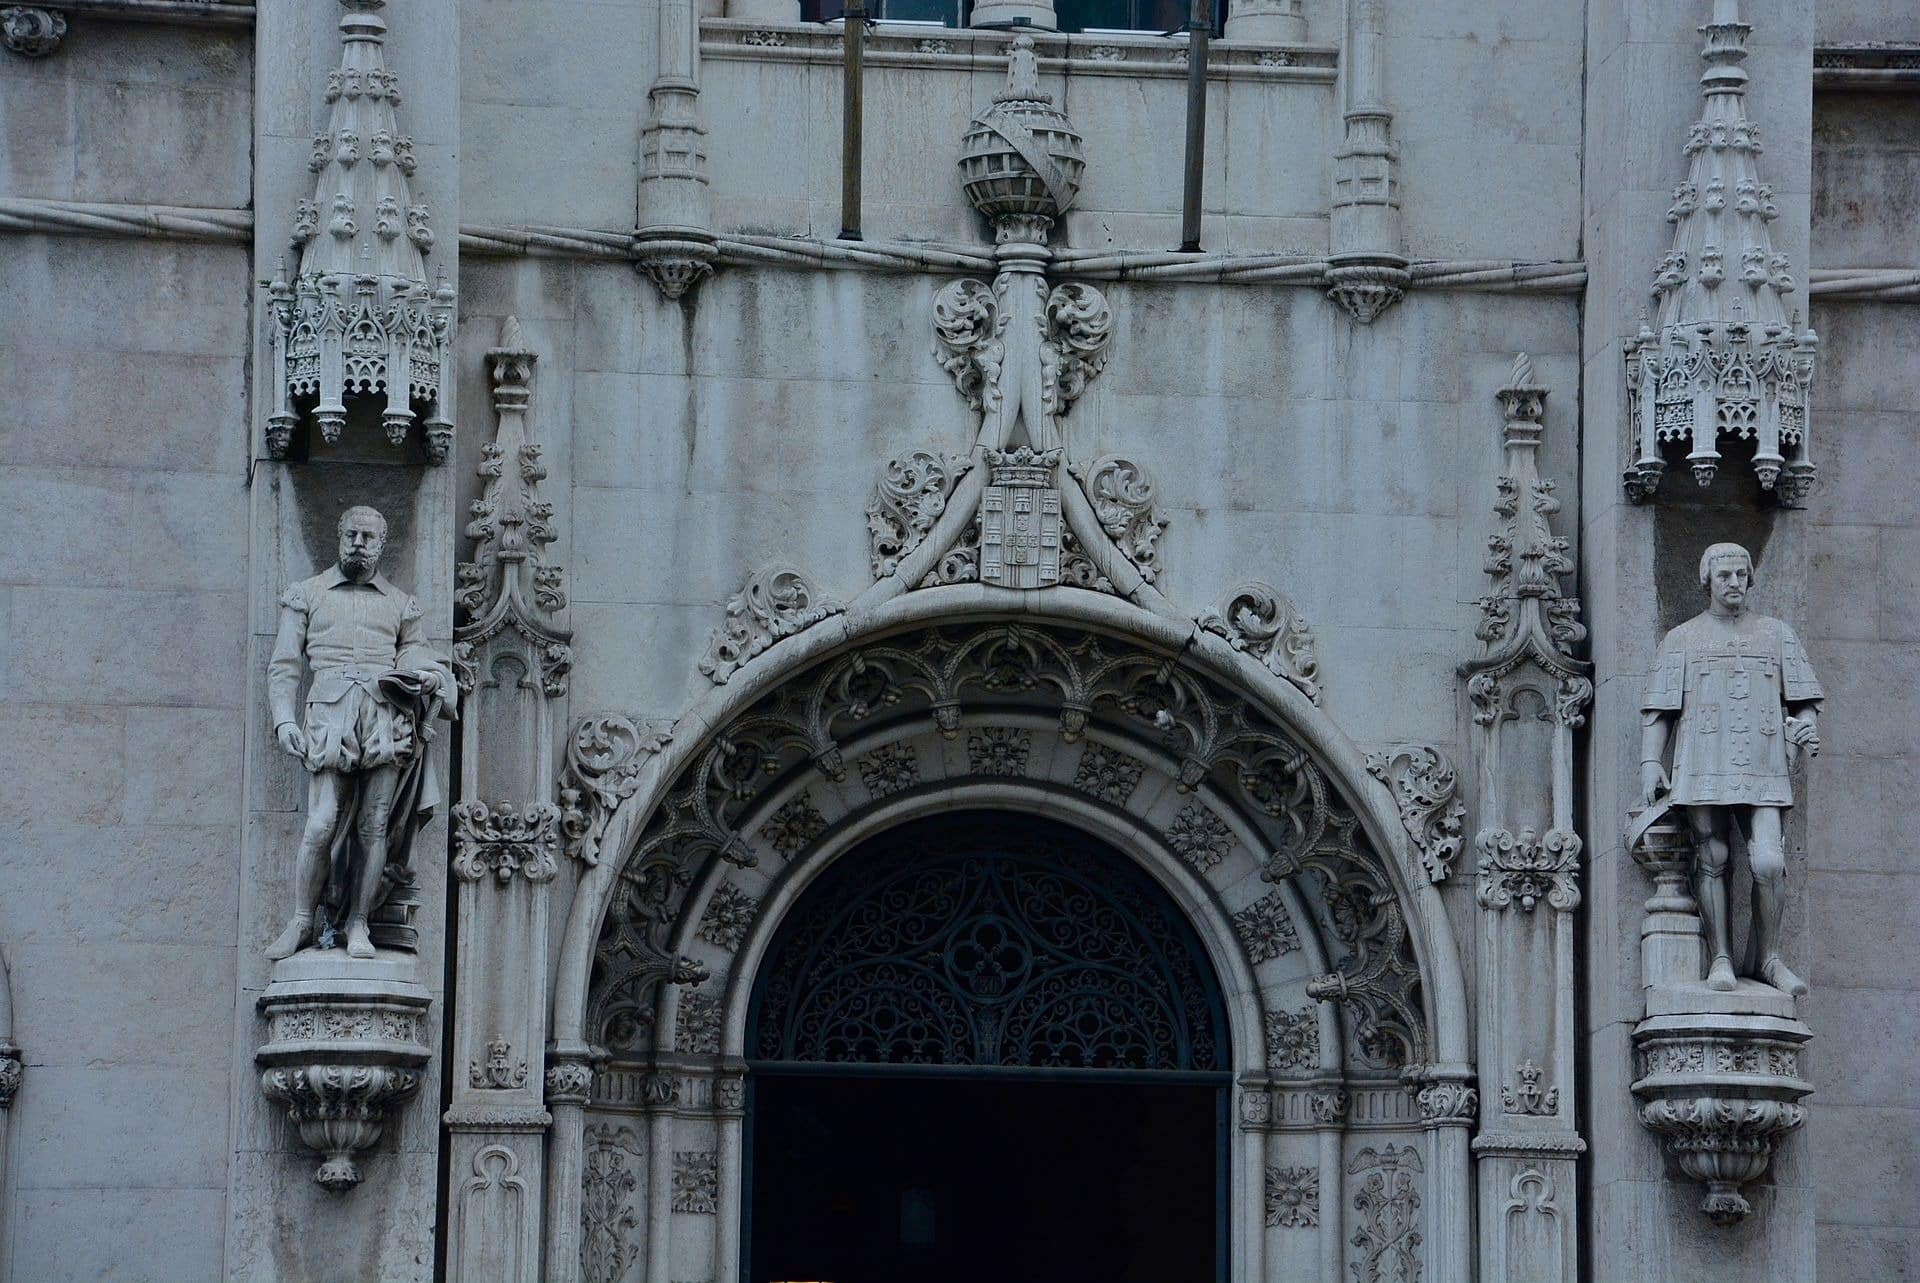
(1220, 748)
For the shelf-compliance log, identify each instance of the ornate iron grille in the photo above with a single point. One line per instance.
(989, 940)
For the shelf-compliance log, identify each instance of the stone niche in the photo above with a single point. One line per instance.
(1718, 1073)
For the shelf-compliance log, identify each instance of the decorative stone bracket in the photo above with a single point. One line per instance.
(31, 31)
(1719, 1071)
(346, 1049)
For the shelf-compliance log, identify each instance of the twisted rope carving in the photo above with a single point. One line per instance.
(89, 218)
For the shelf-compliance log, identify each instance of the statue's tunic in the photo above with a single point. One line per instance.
(1731, 681)
(352, 634)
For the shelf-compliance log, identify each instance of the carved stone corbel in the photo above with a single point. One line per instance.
(32, 31)
(346, 1049)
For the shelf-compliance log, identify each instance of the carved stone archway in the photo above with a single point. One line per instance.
(1222, 781)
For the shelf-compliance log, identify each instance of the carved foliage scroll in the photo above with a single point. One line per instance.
(1425, 788)
(1261, 621)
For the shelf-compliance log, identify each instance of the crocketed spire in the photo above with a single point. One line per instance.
(358, 320)
(1722, 359)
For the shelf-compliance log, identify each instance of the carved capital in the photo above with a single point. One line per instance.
(568, 1082)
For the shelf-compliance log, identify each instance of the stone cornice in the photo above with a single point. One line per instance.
(1121, 53)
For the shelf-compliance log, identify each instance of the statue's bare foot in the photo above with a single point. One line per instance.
(1720, 975)
(288, 942)
(359, 944)
(1781, 977)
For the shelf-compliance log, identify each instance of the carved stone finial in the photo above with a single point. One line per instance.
(1522, 376)
(31, 31)
(511, 589)
(1021, 159)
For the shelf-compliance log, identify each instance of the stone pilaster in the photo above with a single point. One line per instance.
(281, 1223)
(1643, 92)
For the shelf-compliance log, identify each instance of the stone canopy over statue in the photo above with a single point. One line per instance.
(1734, 697)
(362, 733)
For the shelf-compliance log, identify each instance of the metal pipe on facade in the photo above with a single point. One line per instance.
(853, 33)
(1199, 31)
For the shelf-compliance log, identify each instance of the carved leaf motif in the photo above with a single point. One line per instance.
(907, 502)
(1079, 330)
(1424, 786)
(1122, 496)
(605, 755)
(967, 329)
(775, 602)
(1260, 620)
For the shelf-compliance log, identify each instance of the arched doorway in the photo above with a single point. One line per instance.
(1216, 779)
(986, 1045)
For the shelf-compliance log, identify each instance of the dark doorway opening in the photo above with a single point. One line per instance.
(1001, 1177)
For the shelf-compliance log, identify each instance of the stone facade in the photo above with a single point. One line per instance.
(1268, 565)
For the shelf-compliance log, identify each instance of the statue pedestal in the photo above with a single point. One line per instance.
(1720, 1083)
(346, 1047)
(1719, 1071)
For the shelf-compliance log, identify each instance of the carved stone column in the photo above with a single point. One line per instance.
(673, 236)
(513, 660)
(1529, 698)
(1368, 271)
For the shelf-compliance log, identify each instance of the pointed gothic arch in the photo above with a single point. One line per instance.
(1222, 781)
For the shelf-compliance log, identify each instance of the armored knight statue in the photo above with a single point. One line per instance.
(1734, 696)
(377, 686)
